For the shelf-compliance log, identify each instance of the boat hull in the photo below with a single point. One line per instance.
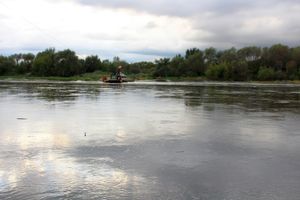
(115, 81)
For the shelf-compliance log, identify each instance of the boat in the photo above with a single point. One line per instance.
(121, 78)
(118, 77)
(113, 81)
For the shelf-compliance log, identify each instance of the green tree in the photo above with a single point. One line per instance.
(92, 63)
(67, 63)
(210, 56)
(17, 57)
(229, 56)
(295, 55)
(162, 67)
(195, 64)
(217, 71)
(177, 66)
(279, 56)
(44, 63)
(26, 63)
(291, 70)
(107, 65)
(118, 62)
(239, 71)
(144, 67)
(249, 53)
(266, 74)
(7, 65)
(191, 52)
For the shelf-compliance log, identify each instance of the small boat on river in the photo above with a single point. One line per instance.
(118, 77)
(121, 78)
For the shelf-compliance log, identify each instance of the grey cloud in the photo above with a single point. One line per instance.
(187, 7)
(110, 37)
(153, 52)
(151, 25)
(222, 21)
(260, 25)
(172, 7)
(218, 23)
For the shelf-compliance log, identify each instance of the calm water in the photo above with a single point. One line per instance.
(147, 141)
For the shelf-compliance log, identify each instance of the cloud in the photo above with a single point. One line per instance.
(223, 23)
(187, 7)
(151, 25)
(153, 52)
(251, 27)
(139, 29)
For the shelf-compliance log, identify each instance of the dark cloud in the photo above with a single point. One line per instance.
(225, 22)
(188, 7)
(153, 52)
(260, 26)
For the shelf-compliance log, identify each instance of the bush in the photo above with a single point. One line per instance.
(265, 74)
(280, 75)
(240, 71)
(7, 65)
(216, 72)
(291, 70)
(236, 71)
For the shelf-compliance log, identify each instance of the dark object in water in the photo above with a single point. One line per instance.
(84, 133)
(115, 81)
(21, 118)
(159, 79)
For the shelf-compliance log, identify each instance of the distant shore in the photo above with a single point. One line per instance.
(88, 78)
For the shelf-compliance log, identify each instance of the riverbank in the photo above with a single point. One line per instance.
(97, 76)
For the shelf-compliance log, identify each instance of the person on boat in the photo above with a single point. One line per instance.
(118, 74)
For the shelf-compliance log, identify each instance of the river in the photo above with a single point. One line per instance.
(145, 140)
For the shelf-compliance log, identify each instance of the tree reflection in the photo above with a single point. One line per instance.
(250, 98)
(52, 91)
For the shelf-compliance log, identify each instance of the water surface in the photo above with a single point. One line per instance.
(149, 141)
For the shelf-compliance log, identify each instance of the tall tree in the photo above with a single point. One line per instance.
(191, 52)
(44, 63)
(279, 56)
(210, 56)
(195, 64)
(162, 67)
(229, 55)
(249, 53)
(7, 65)
(17, 57)
(67, 63)
(27, 61)
(92, 63)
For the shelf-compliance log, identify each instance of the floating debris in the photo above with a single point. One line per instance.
(21, 118)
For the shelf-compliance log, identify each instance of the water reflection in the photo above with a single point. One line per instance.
(148, 141)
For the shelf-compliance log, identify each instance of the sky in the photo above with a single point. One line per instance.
(137, 30)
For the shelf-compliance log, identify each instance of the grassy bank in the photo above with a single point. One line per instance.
(97, 76)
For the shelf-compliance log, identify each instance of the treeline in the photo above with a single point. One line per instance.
(278, 62)
(65, 64)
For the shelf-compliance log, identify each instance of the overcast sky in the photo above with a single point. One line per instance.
(145, 29)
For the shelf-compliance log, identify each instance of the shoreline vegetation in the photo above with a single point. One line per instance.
(278, 63)
(93, 77)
